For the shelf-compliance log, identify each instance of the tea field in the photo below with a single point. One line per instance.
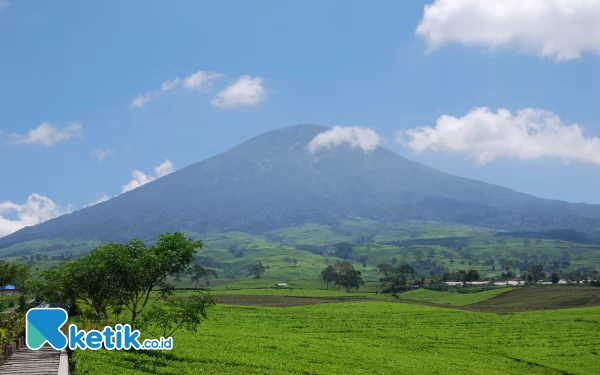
(370, 337)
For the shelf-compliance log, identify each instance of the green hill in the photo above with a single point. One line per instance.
(301, 252)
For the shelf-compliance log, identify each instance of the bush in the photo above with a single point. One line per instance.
(12, 325)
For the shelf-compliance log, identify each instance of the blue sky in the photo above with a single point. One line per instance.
(74, 68)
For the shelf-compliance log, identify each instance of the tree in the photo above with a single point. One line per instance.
(295, 261)
(256, 270)
(15, 274)
(348, 277)
(529, 278)
(537, 272)
(342, 274)
(394, 260)
(343, 250)
(55, 287)
(472, 275)
(164, 319)
(138, 269)
(197, 273)
(329, 275)
(93, 282)
(555, 278)
(394, 279)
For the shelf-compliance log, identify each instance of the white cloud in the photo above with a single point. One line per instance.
(141, 100)
(200, 80)
(4, 4)
(559, 29)
(102, 197)
(36, 210)
(164, 169)
(47, 134)
(484, 136)
(246, 91)
(101, 154)
(170, 85)
(139, 178)
(365, 138)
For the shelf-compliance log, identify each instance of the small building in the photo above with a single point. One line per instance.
(281, 285)
(8, 289)
(453, 283)
(478, 283)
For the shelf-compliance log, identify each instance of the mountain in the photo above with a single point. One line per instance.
(271, 181)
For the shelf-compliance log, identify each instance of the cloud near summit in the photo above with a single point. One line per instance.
(365, 138)
(139, 178)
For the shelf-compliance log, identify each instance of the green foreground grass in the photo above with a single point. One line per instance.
(370, 338)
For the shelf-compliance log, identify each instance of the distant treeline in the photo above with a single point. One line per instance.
(452, 242)
(568, 235)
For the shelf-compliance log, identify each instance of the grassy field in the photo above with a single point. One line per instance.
(370, 338)
(540, 298)
(452, 298)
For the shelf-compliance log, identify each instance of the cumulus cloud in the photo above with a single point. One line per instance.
(102, 197)
(365, 138)
(47, 134)
(198, 81)
(101, 154)
(170, 85)
(484, 135)
(139, 178)
(201, 80)
(246, 91)
(140, 101)
(35, 210)
(559, 29)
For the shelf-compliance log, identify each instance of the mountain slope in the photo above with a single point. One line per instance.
(271, 181)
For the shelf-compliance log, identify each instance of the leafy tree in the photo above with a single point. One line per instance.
(348, 277)
(537, 272)
(15, 274)
(55, 287)
(394, 261)
(529, 278)
(342, 274)
(472, 275)
(197, 273)
(555, 278)
(164, 319)
(343, 250)
(394, 279)
(329, 275)
(93, 282)
(138, 269)
(257, 270)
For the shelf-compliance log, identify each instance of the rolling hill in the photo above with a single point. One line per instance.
(271, 181)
